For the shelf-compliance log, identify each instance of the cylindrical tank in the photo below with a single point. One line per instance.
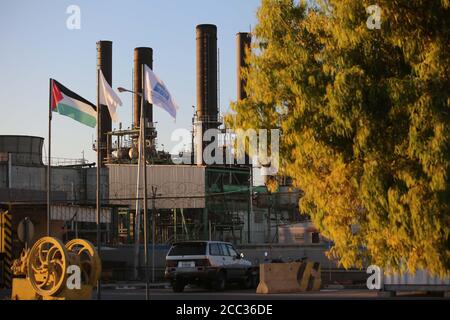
(123, 153)
(142, 56)
(24, 150)
(206, 36)
(133, 153)
(243, 42)
(104, 63)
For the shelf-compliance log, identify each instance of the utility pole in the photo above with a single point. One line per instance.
(154, 189)
(250, 203)
(269, 238)
(99, 165)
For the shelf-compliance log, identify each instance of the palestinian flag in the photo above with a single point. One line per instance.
(70, 104)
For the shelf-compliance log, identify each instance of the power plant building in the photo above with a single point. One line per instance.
(191, 201)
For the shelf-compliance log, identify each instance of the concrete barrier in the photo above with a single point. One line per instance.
(278, 278)
(293, 277)
(310, 276)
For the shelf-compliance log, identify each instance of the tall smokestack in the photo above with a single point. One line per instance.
(207, 71)
(104, 63)
(207, 104)
(142, 56)
(243, 41)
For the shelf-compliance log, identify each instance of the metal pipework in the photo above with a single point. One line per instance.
(243, 41)
(104, 63)
(142, 56)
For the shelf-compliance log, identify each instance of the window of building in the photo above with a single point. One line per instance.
(315, 237)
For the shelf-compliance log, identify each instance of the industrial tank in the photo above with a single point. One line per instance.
(23, 150)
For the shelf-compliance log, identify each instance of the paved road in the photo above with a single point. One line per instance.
(192, 294)
(234, 295)
(199, 294)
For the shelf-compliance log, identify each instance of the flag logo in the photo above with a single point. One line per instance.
(157, 93)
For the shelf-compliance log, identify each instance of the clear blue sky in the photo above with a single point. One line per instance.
(36, 45)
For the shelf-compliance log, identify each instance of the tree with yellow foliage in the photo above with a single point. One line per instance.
(364, 111)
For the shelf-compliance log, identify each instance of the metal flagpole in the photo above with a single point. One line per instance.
(99, 163)
(137, 217)
(49, 164)
(144, 156)
(154, 189)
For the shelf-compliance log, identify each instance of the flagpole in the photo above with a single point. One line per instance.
(137, 218)
(143, 126)
(49, 165)
(99, 164)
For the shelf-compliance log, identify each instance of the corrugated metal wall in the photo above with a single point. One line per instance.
(421, 277)
(83, 214)
(27, 178)
(171, 181)
(91, 184)
(78, 184)
(3, 176)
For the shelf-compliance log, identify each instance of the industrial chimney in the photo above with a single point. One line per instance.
(104, 63)
(243, 41)
(243, 45)
(207, 114)
(142, 56)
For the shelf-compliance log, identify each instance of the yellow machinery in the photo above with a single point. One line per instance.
(41, 273)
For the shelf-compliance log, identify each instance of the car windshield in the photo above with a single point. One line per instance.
(188, 249)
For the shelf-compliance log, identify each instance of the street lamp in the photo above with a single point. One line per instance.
(142, 135)
(121, 90)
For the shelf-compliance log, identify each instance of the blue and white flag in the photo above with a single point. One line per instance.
(108, 97)
(157, 93)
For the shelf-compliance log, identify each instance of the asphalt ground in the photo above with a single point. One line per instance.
(192, 294)
(198, 294)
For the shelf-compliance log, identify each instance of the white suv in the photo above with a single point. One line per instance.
(211, 264)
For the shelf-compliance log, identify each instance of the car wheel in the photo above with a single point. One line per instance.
(178, 286)
(221, 282)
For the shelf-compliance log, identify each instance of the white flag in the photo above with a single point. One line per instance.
(156, 93)
(108, 97)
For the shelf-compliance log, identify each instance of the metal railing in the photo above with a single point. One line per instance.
(65, 162)
(208, 119)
